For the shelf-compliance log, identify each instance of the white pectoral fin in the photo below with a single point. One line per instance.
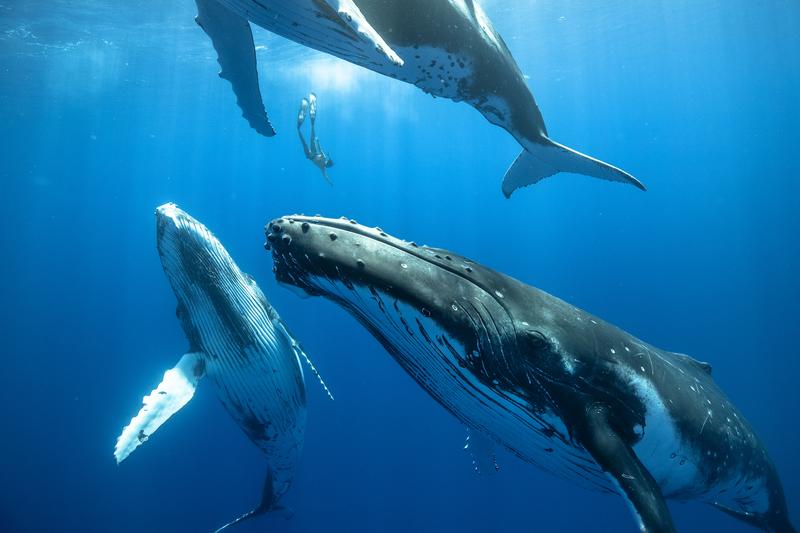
(174, 391)
(481, 451)
(349, 12)
(233, 42)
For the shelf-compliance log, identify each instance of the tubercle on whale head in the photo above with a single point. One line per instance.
(310, 252)
(358, 266)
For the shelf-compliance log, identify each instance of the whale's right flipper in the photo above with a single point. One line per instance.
(617, 459)
(544, 158)
(233, 41)
(175, 390)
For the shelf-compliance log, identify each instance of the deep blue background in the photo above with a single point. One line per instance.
(107, 111)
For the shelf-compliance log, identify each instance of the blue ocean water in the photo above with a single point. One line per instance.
(110, 109)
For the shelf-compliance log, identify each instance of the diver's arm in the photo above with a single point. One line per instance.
(325, 175)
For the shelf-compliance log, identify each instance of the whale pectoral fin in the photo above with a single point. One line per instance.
(481, 450)
(619, 461)
(351, 15)
(236, 54)
(545, 157)
(175, 390)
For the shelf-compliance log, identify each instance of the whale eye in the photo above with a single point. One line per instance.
(535, 340)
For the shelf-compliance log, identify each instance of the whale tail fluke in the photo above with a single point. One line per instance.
(267, 504)
(543, 158)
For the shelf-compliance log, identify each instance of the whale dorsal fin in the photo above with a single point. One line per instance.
(175, 390)
(700, 365)
(233, 41)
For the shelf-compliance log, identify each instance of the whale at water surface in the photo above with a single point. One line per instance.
(447, 48)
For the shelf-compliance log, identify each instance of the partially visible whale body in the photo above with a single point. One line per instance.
(239, 341)
(447, 48)
(552, 383)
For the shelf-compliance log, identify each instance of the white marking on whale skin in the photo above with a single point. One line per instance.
(434, 70)
(675, 466)
(504, 415)
(661, 450)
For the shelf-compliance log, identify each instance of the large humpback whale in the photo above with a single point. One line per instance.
(239, 341)
(555, 385)
(447, 48)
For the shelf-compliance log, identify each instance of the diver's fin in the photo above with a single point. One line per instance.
(481, 450)
(175, 390)
(300, 353)
(351, 15)
(267, 504)
(544, 158)
(236, 54)
(619, 461)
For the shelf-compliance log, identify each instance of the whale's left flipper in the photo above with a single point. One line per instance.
(175, 390)
(617, 459)
(233, 41)
(544, 158)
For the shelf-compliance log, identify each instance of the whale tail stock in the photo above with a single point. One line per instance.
(543, 158)
(267, 504)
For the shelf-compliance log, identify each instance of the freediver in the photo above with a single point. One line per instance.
(314, 153)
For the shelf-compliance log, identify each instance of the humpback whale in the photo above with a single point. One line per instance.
(239, 341)
(553, 384)
(447, 48)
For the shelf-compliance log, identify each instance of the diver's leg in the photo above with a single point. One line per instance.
(306, 151)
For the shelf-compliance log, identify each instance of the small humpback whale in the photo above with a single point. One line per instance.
(239, 341)
(553, 384)
(447, 48)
